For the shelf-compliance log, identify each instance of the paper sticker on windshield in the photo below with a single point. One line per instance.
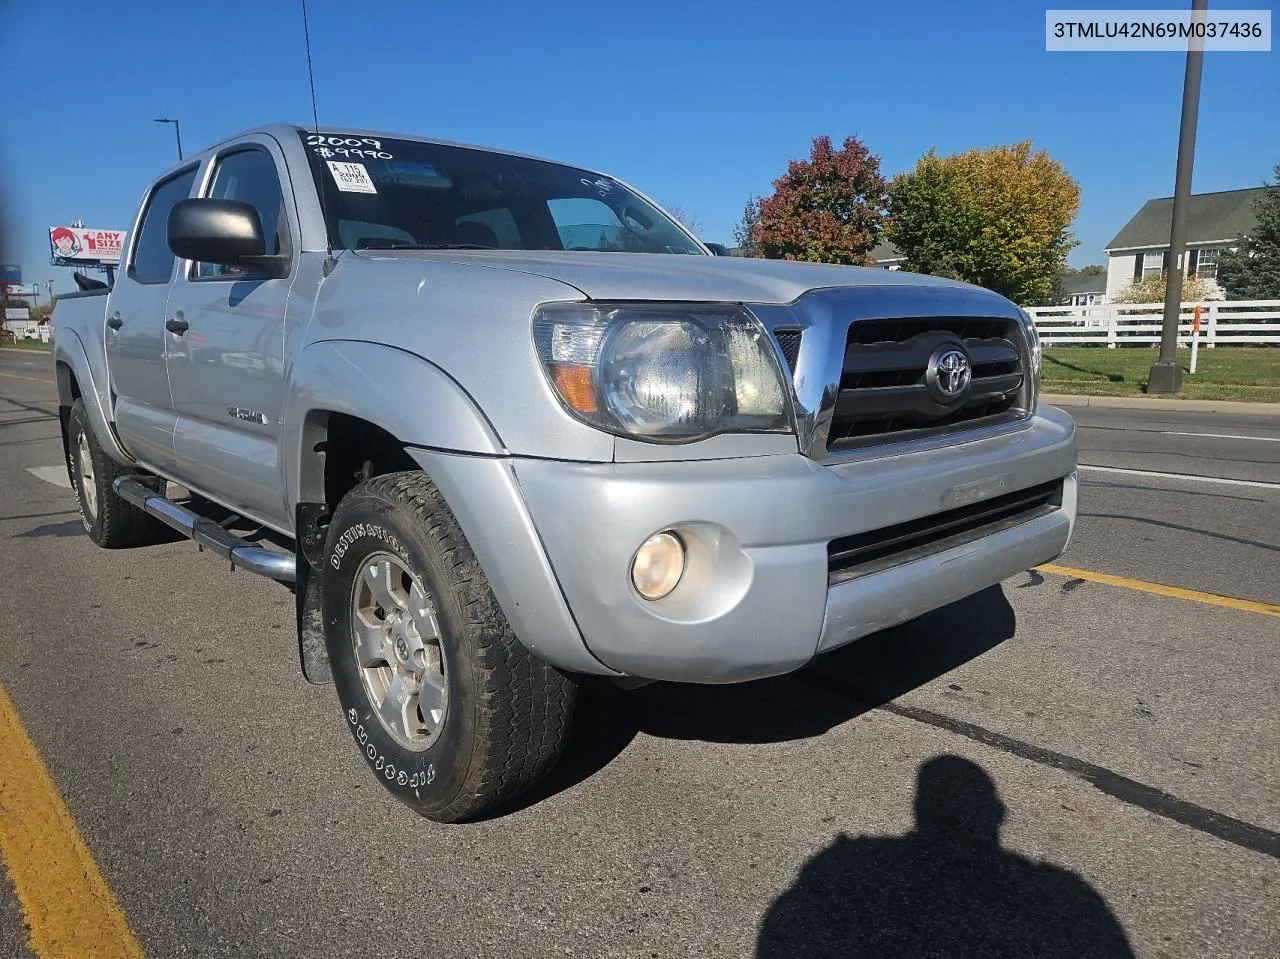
(351, 177)
(602, 184)
(399, 168)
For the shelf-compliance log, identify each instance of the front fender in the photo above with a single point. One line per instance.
(411, 398)
(69, 355)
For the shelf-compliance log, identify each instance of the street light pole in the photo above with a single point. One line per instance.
(1166, 374)
(177, 131)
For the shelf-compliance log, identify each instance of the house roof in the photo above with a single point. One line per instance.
(1074, 283)
(884, 250)
(1211, 216)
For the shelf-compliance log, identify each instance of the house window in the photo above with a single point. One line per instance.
(1152, 264)
(1207, 263)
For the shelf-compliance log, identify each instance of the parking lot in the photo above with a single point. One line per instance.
(1057, 766)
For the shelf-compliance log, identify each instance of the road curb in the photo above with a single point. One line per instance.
(1161, 403)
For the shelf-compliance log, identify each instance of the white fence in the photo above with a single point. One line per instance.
(1222, 323)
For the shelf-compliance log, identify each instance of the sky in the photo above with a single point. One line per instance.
(699, 105)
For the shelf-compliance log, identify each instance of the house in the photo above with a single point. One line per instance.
(886, 256)
(1084, 289)
(1214, 223)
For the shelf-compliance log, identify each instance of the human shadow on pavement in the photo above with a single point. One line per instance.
(868, 673)
(947, 888)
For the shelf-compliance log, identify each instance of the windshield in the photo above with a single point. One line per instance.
(381, 193)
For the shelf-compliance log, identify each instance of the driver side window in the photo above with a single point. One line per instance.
(250, 177)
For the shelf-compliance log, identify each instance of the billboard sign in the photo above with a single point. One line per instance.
(10, 273)
(17, 313)
(74, 244)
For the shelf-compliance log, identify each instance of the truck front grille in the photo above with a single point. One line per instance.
(863, 553)
(886, 392)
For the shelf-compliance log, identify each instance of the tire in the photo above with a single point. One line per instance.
(111, 522)
(488, 719)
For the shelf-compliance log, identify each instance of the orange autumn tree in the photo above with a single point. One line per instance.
(827, 209)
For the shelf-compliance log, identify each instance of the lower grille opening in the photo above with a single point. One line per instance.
(864, 553)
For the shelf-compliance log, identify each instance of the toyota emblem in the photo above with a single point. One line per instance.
(949, 374)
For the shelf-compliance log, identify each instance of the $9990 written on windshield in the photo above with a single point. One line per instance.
(384, 193)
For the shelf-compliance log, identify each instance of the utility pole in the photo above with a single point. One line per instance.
(1166, 374)
(177, 131)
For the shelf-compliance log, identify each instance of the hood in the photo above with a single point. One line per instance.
(679, 277)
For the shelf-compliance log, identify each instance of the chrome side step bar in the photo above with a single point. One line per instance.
(265, 562)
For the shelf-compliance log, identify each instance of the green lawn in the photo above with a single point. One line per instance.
(1224, 373)
(27, 345)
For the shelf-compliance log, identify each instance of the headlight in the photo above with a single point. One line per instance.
(663, 373)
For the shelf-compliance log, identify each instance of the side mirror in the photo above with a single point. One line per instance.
(226, 232)
(719, 249)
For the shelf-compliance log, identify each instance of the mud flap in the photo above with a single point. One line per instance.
(312, 526)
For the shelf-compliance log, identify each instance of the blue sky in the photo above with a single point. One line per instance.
(698, 104)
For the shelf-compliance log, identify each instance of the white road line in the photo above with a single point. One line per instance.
(1223, 436)
(1186, 477)
(57, 475)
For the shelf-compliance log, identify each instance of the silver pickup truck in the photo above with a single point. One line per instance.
(503, 422)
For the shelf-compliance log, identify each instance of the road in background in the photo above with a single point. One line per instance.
(1050, 758)
(1216, 537)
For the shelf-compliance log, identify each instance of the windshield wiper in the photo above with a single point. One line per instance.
(379, 243)
(453, 246)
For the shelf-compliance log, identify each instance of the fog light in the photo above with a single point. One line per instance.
(658, 565)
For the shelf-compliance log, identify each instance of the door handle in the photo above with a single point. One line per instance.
(115, 322)
(176, 325)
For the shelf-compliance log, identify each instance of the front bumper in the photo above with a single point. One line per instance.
(756, 599)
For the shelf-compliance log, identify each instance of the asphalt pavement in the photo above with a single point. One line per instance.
(1053, 767)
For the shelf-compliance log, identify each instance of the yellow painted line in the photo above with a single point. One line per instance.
(67, 904)
(1177, 592)
(29, 379)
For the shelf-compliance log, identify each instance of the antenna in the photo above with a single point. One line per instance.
(311, 77)
(329, 261)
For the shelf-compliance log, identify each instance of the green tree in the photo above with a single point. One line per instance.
(827, 209)
(744, 233)
(44, 309)
(1252, 270)
(1000, 218)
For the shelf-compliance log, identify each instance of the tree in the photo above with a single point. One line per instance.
(44, 309)
(999, 218)
(827, 209)
(744, 233)
(1252, 270)
(688, 220)
(1150, 289)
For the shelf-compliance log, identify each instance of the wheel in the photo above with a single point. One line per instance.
(451, 712)
(110, 521)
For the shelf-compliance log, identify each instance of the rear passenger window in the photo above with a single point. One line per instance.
(250, 177)
(152, 258)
